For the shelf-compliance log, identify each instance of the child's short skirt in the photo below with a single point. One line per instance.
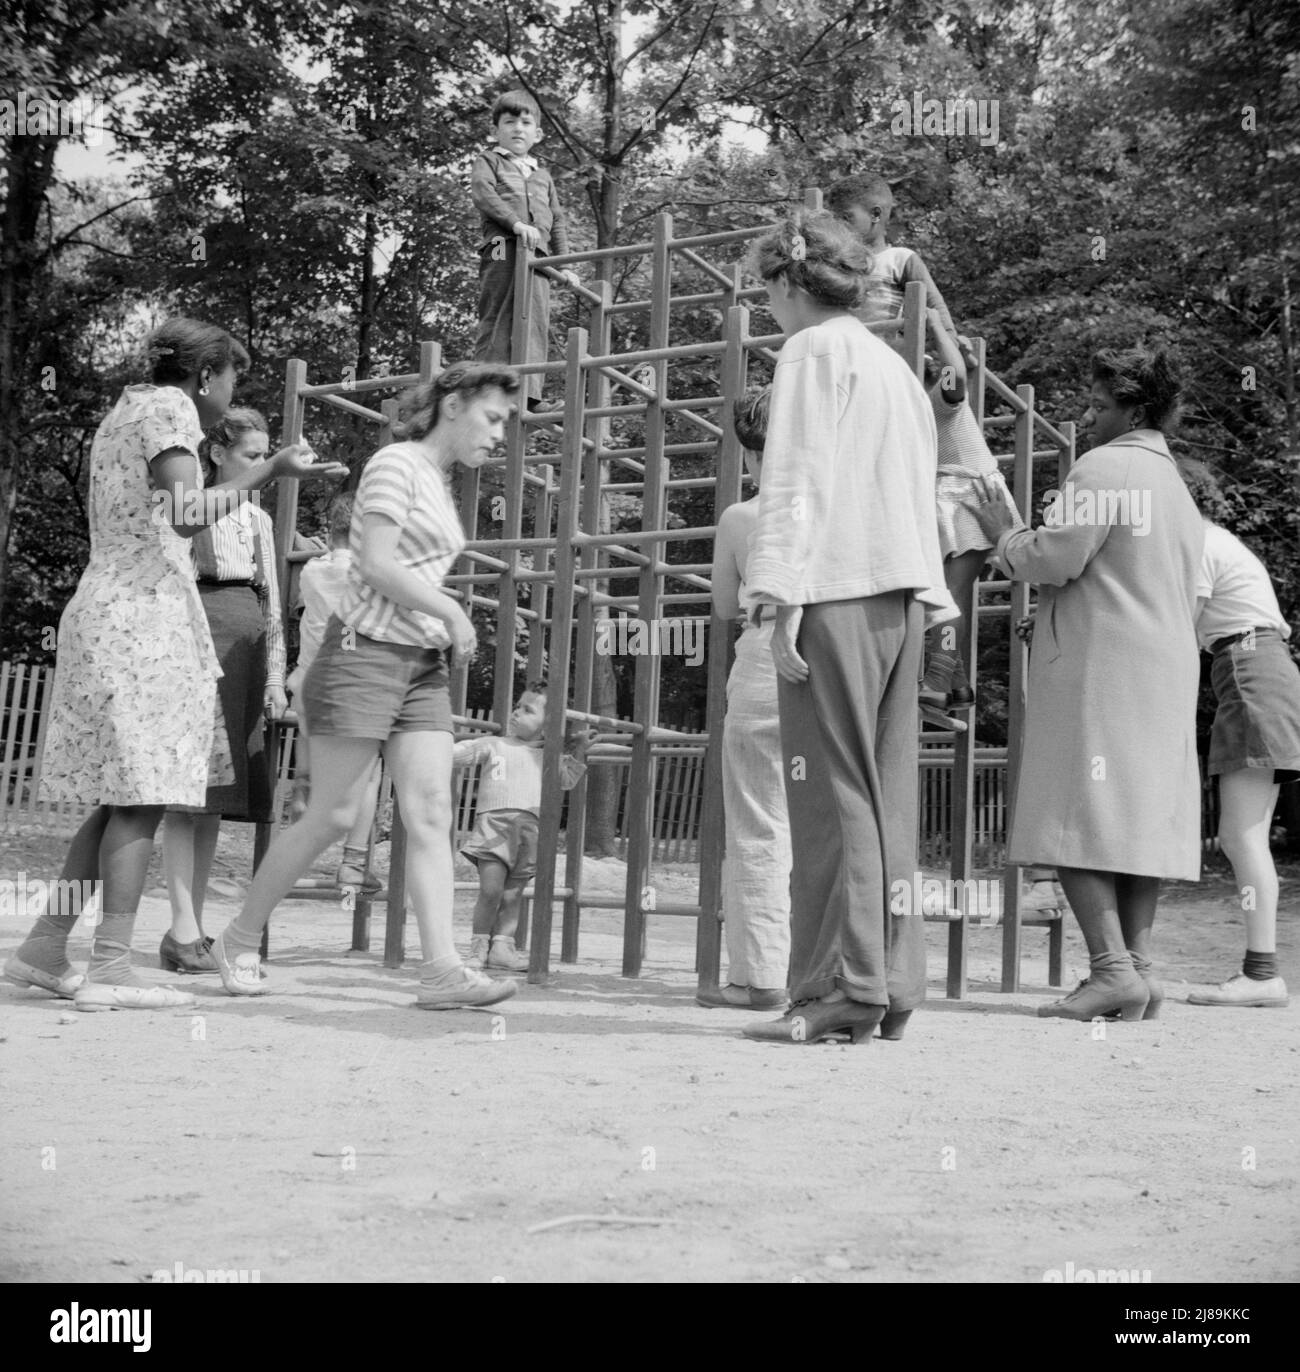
(509, 836)
(1257, 723)
(956, 498)
(364, 688)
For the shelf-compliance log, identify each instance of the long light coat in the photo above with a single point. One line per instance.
(1108, 776)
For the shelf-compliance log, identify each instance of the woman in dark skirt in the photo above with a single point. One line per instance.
(234, 565)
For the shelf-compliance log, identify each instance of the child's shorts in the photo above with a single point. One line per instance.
(371, 689)
(509, 836)
(1257, 722)
(954, 498)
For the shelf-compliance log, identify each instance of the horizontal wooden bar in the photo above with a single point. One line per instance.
(712, 349)
(593, 255)
(707, 268)
(369, 383)
(709, 240)
(352, 407)
(646, 536)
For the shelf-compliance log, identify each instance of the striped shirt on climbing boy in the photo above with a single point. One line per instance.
(401, 483)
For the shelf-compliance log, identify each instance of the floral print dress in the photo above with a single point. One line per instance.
(133, 715)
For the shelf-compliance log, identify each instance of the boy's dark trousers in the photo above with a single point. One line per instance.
(496, 301)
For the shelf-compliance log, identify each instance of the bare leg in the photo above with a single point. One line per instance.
(1246, 801)
(360, 835)
(46, 945)
(421, 768)
(189, 844)
(512, 913)
(124, 853)
(960, 574)
(491, 889)
(1136, 898)
(1095, 903)
(340, 771)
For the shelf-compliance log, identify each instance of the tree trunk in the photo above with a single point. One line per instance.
(29, 163)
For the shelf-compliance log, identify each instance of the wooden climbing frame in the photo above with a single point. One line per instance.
(541, 563)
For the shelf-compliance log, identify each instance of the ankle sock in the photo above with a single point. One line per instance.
(1259, 966)
(110, 956)
(939, 669)
(1141, 965)
(439, 970)
(46, 946)
(354, 857)
(240, 940)
(1114, 963)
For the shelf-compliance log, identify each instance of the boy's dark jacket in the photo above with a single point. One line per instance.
(505, 196)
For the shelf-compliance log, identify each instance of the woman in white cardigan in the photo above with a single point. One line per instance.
(1109, 789)
(846, 548)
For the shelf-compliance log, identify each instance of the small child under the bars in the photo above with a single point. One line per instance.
(503, 845)
(964, 461)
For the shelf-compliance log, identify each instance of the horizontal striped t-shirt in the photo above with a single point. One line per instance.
(961, 444)
(402, 483)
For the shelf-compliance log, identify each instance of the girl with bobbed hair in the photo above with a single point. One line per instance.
(846, 549)
(1109, 787)
(133, 725)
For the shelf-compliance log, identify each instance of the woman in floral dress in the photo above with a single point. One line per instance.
(133, 725)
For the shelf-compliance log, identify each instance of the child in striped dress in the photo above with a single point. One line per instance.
(964, 459)
(503, 845)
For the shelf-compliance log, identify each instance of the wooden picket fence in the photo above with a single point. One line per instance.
(24, 691)
(679, 785)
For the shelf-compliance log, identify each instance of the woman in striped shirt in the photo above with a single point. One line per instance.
(234, 565)
(380, 680)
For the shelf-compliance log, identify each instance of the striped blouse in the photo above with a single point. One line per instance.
(224, 551)
(402, 483)
(961, 444)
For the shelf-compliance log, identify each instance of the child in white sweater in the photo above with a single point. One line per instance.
(503, 845)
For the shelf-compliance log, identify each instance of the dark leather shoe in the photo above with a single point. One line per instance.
(186, 957)
(892, 1026)
(815, 1020)
(741, 998)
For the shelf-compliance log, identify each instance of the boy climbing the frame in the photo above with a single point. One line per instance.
(517, 202)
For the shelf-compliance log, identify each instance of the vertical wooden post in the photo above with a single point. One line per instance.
(961, 832)
(559, 658)
(1023, 486)
(645, 708)
(1056, 931)
(596, 394)
(708, 933)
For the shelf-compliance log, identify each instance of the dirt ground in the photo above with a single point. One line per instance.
(331, 1132)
